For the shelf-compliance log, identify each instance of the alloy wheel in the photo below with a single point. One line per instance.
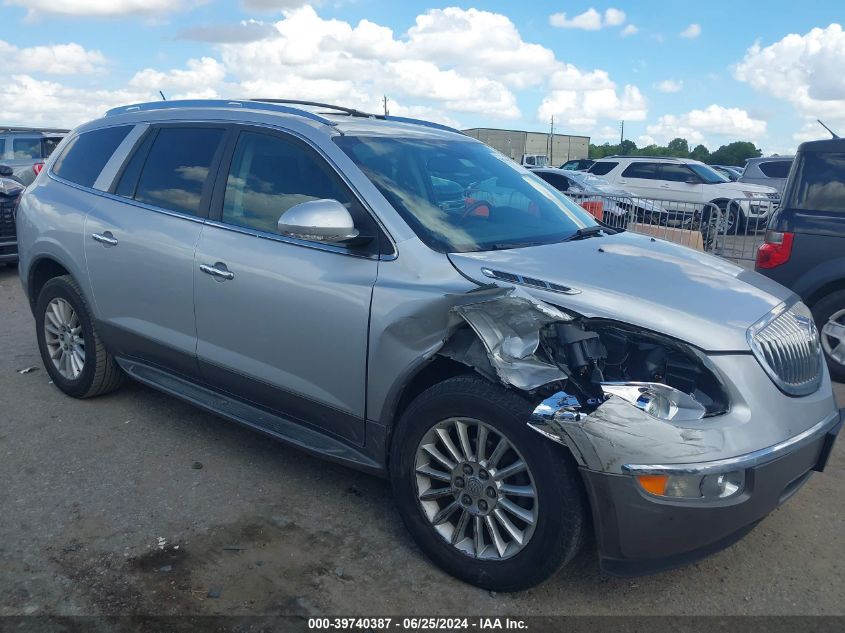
(833, 337)
(63, 335)
(476, 489)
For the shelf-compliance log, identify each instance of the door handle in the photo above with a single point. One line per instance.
(105, 238)
(214, 271)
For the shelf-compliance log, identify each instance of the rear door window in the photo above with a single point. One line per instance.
(818, 183)
(24, 148)
(645, 171)
(85, 156)
(176, 170)
(602, 169)
(776, 168)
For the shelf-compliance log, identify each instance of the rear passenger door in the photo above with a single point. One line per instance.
(140, 238)
(640, 178)
(284, 322)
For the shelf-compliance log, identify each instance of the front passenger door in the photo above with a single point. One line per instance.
(283, 323)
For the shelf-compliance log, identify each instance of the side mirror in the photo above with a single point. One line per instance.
(693, 180)
(6, 171)
(320, 221)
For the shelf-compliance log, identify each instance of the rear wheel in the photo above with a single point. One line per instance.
(488, 499)
(829, 314)
(70, 347)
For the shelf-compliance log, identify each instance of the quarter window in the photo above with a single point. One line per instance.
(85, 156)
(818, 184)
(271, 174)
(176, 168)
(776, 168)
(646, 171)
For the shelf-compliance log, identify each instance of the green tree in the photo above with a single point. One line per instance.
(734, 153)
(678, 147)
(627, 147)
(699, 152)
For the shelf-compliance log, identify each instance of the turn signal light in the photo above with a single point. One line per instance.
(776, 250)
(655, 484)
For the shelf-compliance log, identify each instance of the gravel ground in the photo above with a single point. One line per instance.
(138, 503)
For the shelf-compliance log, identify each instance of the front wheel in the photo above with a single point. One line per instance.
(488, 499)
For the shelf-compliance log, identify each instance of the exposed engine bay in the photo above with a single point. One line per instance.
(538, 348)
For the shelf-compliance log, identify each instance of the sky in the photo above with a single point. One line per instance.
(710, 72)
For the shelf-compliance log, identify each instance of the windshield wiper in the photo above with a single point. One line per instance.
(584, 233)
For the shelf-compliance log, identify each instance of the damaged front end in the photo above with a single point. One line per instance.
(610, 392)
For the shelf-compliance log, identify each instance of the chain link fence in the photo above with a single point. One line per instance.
(733, 228)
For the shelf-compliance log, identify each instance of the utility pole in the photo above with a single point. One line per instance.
(621, 133)
(384, 101)
(552, 141)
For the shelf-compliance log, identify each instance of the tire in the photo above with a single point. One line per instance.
(734, 222)
(559, 506)
(832, 305)
(99, 373)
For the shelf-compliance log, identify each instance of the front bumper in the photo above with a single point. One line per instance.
(642, 533)
(638, 533)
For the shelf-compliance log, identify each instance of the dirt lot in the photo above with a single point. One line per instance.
(137, 503)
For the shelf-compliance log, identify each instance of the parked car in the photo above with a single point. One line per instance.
(805, 243)
(10, 191)
(532, 161)
(605, 201)
(520, 373)
(690, 184)
(731, 173)
(771, 171)
(25, 149)
(577, 164)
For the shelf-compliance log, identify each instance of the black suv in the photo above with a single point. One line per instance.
(805, 242)
(10, 193)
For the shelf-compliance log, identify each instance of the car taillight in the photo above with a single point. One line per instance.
(37, 167)
(776, 250)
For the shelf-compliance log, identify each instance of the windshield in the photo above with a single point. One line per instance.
(708, 176)
(462, 196)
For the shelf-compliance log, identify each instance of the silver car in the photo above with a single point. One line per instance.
(771, 171)
(520, 373)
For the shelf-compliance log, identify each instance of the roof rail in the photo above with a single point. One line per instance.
(437, 126)
(53, 130)
(641, 156)
(219, 103)
(349, 111)
(275, 105)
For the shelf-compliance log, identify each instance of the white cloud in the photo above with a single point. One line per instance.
(716, 120)
(629, 30)
(103, 8)
(582, 99)
(691, 32)
(272, 5)
(448, 63)
(669, 85)
(590, 20)
(614, 17)
(59, 59)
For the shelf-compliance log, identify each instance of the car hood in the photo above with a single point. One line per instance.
(737, 187)
(704, 300)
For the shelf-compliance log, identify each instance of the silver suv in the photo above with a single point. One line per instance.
(393, 295)
(25, 149)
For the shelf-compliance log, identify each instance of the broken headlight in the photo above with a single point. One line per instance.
(658, 400)
(664, 377)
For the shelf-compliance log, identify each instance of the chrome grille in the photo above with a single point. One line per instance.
(786, 343)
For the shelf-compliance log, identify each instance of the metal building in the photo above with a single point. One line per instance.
(515, 143)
